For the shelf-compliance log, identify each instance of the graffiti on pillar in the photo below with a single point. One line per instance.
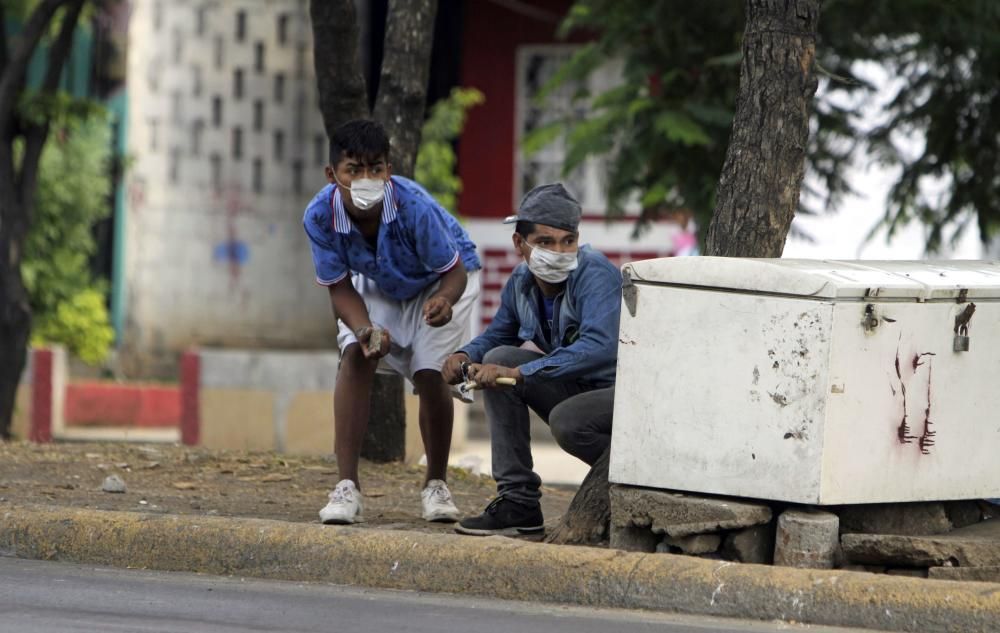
(233, 251)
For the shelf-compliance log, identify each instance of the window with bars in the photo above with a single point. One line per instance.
(279, 87)
(216, 111)
(177, 45)
(176, 107)
(258, 175)
(258, 57)
(154, 135)
(283, 29)
(319, 150)
(197, 128)
(535, 66)
(174, 165)
(237, 143)
(238, 83)
(297, 176)
(241, 25)
(258, 115)
(279, 145)
(215, 162)
(218, 48)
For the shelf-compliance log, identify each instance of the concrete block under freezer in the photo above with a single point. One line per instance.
(819, 382)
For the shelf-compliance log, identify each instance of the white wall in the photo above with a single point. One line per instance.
(209, 259)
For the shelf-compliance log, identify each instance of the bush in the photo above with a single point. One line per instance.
(81, 324)
(435, 166)
(74, 189)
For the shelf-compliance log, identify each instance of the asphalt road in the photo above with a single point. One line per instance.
(44, 597)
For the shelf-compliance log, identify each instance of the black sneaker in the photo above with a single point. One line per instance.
(504, 517)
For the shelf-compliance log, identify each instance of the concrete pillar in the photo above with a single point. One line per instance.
(190, 392)
(806, 539)
(633, 539)
(48, 393)
(693, 545)
(752, 545)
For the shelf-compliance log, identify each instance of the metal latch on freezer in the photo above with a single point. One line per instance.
(961, 341)
(630, 294)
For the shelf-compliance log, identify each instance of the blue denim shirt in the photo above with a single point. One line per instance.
(418, 240)
(584, 343)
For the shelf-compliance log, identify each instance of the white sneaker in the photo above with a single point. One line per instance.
(438, 505)
(344, 506)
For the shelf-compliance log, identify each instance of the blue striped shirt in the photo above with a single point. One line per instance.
(418, 240)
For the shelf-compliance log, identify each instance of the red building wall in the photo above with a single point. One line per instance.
(491, 35)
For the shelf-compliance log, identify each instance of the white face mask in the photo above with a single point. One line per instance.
(367, 192)
(551, 266)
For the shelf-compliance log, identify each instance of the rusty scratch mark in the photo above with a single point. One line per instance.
(780, 399)
(927, 437)
(903, 430)
(917, 359)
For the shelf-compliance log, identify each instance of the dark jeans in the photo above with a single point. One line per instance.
(578, 414)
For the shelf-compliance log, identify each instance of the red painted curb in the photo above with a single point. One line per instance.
(41, 396)
(190, 404)
(114, 404)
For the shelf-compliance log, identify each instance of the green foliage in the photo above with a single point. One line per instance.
(73, 193)
(664, 131)
(945, 58)
(81, 324)
(435, 166)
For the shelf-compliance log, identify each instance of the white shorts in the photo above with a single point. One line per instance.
(415, 345)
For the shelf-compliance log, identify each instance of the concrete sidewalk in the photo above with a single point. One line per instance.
(495, 567)
(554, 465)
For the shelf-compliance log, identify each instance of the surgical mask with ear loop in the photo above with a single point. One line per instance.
(551, 266)
(366, 192)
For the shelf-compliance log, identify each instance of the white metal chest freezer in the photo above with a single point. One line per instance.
(817, 382)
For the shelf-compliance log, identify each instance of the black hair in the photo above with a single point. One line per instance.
(524, 228)
(362, 139)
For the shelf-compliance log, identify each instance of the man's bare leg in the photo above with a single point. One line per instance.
(437, 416)
(351, 404)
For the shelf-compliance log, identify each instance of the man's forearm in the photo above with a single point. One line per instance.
(453, 283)
(348, 305)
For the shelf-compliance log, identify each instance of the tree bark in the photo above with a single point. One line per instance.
(385, 440)
(15, 311)
(341, 86)
(400, 109)
(762, 176)
(406, 65)
(587, 520)
(17, 186)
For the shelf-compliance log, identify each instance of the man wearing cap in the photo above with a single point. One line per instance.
(565, 299)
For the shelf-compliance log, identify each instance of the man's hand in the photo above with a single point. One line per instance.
(452, 369)
(364, 336)
(486, 375)
(437, 311)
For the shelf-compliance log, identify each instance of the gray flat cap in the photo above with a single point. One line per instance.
(550, 205)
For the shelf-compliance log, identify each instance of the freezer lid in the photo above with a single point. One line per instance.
(919, 280)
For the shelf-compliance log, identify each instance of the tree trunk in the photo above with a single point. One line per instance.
(400, 109)
(587, 520)
(402, 90)
(15, 311)
(385, 440)
(18, 183)
(759, 187)
(341, 86)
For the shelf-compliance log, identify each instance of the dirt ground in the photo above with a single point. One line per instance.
(180, 480)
